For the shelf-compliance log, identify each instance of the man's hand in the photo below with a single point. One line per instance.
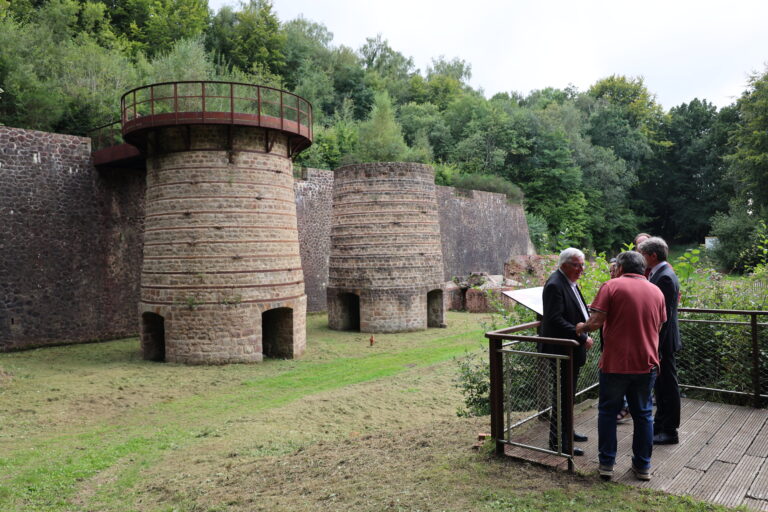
(589, 342)
(594, 322)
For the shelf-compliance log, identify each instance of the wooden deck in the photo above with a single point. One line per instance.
(722, 456)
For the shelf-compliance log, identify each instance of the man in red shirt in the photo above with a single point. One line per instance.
(631, 312)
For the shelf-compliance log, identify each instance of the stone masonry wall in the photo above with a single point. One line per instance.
(314, 193)
(70, 240)
(481, 231)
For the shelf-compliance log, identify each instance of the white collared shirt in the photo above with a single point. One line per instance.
(656, 268)
(580, 302)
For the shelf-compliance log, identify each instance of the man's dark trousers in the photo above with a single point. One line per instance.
(667, 391)
(565, 403)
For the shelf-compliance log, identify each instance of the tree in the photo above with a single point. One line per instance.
(333, 143)
(386, 69)
(257, 42)
(456, 68)
(349, 82)
(739, 231)
(307, 52)
(693, 171)
(748, 165)
(173, 20)
(424, 121)
(153, 26)
(625, 117)
(380, 137)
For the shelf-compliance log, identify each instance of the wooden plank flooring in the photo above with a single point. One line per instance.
(722, 456)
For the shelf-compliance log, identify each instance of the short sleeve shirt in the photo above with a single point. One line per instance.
(634, 311)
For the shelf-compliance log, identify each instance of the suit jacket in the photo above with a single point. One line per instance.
(561, 314)
(669, 336)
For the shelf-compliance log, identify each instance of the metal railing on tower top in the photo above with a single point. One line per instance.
(209, 102)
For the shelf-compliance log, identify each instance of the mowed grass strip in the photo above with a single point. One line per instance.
(41, 470)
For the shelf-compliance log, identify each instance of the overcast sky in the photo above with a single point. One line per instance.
(682, 48)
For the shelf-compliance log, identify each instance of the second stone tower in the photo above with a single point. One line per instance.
(386, 264)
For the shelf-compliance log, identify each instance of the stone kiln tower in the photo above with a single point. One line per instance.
(221, 280)
(386, 263)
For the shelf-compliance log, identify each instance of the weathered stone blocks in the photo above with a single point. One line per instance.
(222, 280)
(386, 265)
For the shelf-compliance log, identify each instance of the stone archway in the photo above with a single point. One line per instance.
(153, 337)
(435, 309)
(277, 333)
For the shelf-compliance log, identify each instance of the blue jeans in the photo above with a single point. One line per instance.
(637, 388)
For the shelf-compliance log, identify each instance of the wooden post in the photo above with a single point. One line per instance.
(496, 393)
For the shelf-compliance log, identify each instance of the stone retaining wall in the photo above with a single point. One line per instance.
(71, 239)
(70, 242)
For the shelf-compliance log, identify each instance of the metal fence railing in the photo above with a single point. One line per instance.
(107, 135)
(201, 101)
(527, 384)
(724, 358)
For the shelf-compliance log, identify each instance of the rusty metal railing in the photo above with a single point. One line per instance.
(522, 380)
(106, 135)
(191, 102)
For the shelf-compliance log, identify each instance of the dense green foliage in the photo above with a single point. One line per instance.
(595, 166)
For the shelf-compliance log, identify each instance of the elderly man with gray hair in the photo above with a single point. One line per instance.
(564, 307)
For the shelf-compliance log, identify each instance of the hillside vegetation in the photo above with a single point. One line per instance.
(595, 166)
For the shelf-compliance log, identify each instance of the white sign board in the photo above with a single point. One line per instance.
(529, 297)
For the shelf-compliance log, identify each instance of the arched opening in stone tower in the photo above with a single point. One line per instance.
(435, 308)
(153, 337)
(349, 319)
(277, 333)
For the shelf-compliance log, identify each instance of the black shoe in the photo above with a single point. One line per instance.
(580, 438)
(665, 438)
(578, 452)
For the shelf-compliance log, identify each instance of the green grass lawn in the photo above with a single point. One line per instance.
(348, 427)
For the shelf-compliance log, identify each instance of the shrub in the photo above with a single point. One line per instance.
(739, 234)
(490, 183)
(538, 231)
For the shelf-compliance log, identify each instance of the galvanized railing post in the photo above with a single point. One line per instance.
(496, 392)
(755, 361)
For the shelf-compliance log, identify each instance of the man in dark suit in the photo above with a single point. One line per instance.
(564, 307)
(667, 389)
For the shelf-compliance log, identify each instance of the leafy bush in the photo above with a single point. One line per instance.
(475, 384)
(538, 231)
(490, 183)
(738, 235)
